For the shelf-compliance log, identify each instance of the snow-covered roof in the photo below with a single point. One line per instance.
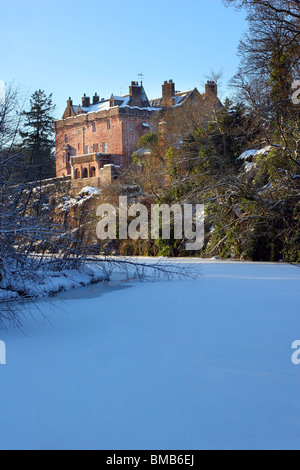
(119, 98)
(95, 108)
(179, 99)
(118, 101)
(126, 101)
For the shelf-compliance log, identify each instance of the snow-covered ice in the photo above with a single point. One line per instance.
(182, 364)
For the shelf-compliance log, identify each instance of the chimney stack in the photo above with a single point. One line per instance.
(69, 112)
(96, 99)
(135, 92)
(86, 101)
(168, 94)
(211, 89)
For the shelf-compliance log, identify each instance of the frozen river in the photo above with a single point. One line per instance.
(182, 364)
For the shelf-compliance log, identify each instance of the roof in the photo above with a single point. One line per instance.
(180, 97)
(128, 101)
(118, 101)
(94, 108)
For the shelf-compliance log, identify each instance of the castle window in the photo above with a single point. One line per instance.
(131, 126)
(104, 147)
(95, 148)
(87, 149)
(108, 124)
(66, 139)
(69, 157)
(94, 126)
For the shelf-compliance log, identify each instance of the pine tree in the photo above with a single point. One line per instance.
(38, 139)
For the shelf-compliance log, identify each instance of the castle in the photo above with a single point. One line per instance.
(96, 138)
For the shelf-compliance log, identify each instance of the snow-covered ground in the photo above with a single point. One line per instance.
(46, 283)
(182, 364)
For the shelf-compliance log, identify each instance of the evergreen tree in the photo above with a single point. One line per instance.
(38, 138)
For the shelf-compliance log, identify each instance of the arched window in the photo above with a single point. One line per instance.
(77, 174)
(93, 172)
(84, 173)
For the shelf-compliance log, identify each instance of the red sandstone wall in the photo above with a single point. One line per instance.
(121, 137)
(102, 134)
(74, 136)
(133, 130)
(99, 134)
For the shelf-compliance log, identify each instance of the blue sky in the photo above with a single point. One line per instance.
(73, 47)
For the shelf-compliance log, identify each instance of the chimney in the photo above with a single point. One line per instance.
(86, 102)
(69, 112)
(168, 93)
(135, 92)
(96, 99)
(211, 89)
